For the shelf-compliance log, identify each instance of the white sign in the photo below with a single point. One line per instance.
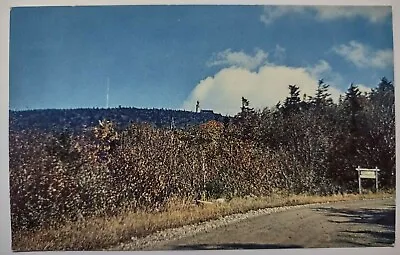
(365, 173)
(368, 174)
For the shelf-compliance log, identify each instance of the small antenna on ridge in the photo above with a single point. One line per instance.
(108, 91)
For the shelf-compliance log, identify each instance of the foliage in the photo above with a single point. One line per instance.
(298, 147)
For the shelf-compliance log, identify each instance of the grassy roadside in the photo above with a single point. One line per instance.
(98, 233)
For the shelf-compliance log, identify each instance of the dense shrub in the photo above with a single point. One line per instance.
(301, 146)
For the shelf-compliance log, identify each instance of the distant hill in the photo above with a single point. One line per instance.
(76, 120)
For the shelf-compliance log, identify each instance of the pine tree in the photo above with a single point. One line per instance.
(292, 102)
(353, 105)
(322, 97)
(248, 120)
(384, 94)
(245, 104)
(381, 131)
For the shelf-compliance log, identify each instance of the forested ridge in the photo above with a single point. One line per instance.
(304, 144)
(77, 120)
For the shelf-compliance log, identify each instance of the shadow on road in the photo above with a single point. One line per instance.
(385, 237)
(234, 246)
(381, 217)
(378, 224)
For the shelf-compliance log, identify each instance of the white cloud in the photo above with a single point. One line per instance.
(272, 13)
(239, 59)
(279, 53)
(373, 14)
(323, 70)
(363, 56)
(320, 69)
(265, 87)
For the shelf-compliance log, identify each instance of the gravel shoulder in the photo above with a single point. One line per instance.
(365, 223)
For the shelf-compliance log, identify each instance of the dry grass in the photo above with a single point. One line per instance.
(98, 233)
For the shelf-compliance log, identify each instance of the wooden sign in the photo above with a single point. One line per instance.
(365, 173)
(368, 174)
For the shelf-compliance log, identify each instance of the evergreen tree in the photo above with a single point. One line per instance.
(248, 120)
(381, 130)
(292, 102)
(245, 104)
(353, 106)
(383, 95)
(322, 97)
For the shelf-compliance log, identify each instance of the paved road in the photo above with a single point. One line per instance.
(365, 223)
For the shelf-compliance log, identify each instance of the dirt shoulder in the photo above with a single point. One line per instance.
(342, 224)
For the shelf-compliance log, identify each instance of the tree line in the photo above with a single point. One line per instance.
(301, 145)
(76, 120)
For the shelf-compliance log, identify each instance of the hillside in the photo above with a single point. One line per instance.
(76, 120)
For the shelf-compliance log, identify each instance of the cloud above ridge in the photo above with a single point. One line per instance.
(239, 59)
(264, 87)
(364, 56)
(373, 14)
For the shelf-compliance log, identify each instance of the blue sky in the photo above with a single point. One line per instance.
(171, 56)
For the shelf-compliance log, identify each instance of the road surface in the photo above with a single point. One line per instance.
(367, 223)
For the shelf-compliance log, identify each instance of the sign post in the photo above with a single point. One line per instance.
(365, 173)
(359, 183)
